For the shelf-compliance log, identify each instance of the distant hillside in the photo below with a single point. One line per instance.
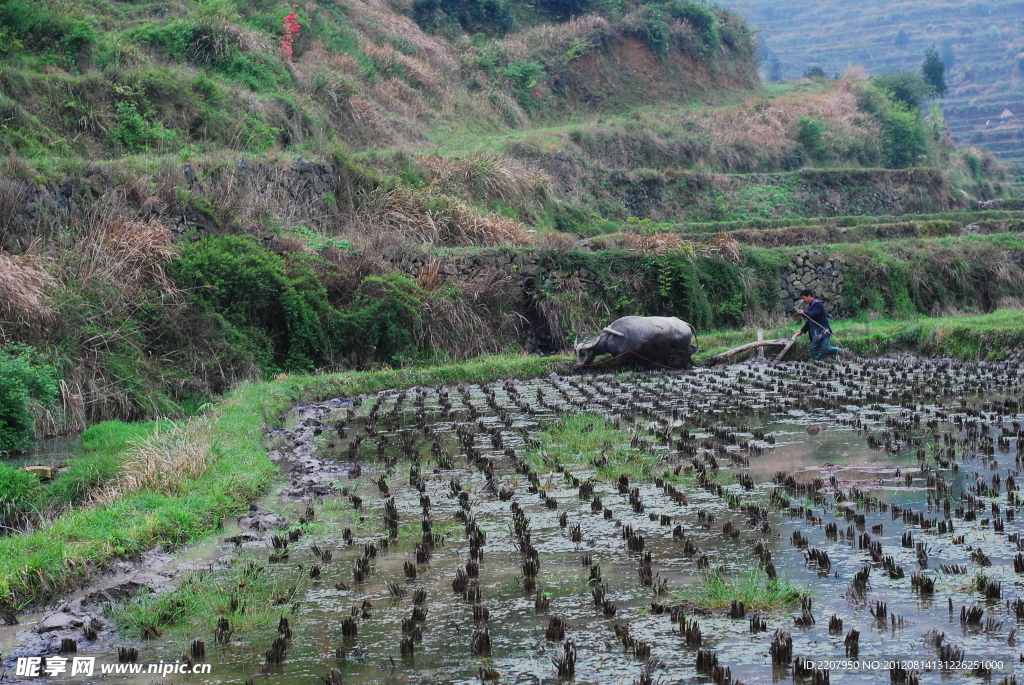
(982, 44)
(81, 79)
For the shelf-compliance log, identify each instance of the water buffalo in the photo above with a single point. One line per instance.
(661, 339)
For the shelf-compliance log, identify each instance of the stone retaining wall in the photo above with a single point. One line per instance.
(531, 271)
(811, 269)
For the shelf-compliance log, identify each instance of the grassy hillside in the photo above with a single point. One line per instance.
(981, 43)
(105, 79)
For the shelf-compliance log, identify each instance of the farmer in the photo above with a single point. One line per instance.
(816, 324)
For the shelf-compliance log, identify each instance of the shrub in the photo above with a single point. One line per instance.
(382, 321)
(524, 77)
(933, 71)
(278, 311)
(489, 17)
(815, 73)
(904, 86)
(649, 25)
(560, 10)
(24, 379)
(973, 165)
(903, 138)
(137, 133)
(702, 18)
(903, 133)
(38, 28)
(810, 133)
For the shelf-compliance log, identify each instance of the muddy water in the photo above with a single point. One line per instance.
(831, 445)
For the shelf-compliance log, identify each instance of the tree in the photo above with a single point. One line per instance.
(904, 86)
(902, 39)
(815, 73)
(934, 72)
(774, 70)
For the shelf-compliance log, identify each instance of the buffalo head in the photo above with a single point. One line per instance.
(586, 351)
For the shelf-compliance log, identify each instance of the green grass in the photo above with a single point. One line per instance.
(755, 590)
(579, 440)
(242, 594)
(97, 460)
(982, 336)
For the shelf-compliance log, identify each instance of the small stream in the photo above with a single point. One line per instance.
(903, 467)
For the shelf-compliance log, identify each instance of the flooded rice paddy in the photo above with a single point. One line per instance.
(447, 535)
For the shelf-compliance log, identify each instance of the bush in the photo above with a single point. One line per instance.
(973, 165)
(489, 17)
(903, 133)
(524, 76)
(383, 319)
(649, 25)
(136, 133)
(702, 18)
(810, 133)
(278, 311)
(19, 491)
(904, 86)
(68, 39)
(560, 10)
(903, 138)
(24, 379)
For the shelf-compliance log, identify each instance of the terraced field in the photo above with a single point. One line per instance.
(985, 106)
(729, 524)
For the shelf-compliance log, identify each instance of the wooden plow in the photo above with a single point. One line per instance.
(758, 345)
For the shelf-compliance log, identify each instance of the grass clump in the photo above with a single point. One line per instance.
(591, 441)
(757, 592)
(241, 593)
(99, 459)
(19, 493)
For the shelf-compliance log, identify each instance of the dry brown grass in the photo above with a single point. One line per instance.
(390, 60)
(372, 122)
(162, 463)
(400, 98)
(554, 241)
(436, 220)
(553, 37)
(745, 137)
(23, 285)
(572, 308)
(663, 242)
(486, 175)
(855, 73)
(138, 251)
(429, 277)
(13, 196)
(373, 19)
(471, 319)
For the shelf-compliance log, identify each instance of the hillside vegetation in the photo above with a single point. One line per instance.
(199, 193)
(981, 44)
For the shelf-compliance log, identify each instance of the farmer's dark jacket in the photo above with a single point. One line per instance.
(816, 313)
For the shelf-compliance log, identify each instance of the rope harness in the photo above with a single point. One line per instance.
(611, 359)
